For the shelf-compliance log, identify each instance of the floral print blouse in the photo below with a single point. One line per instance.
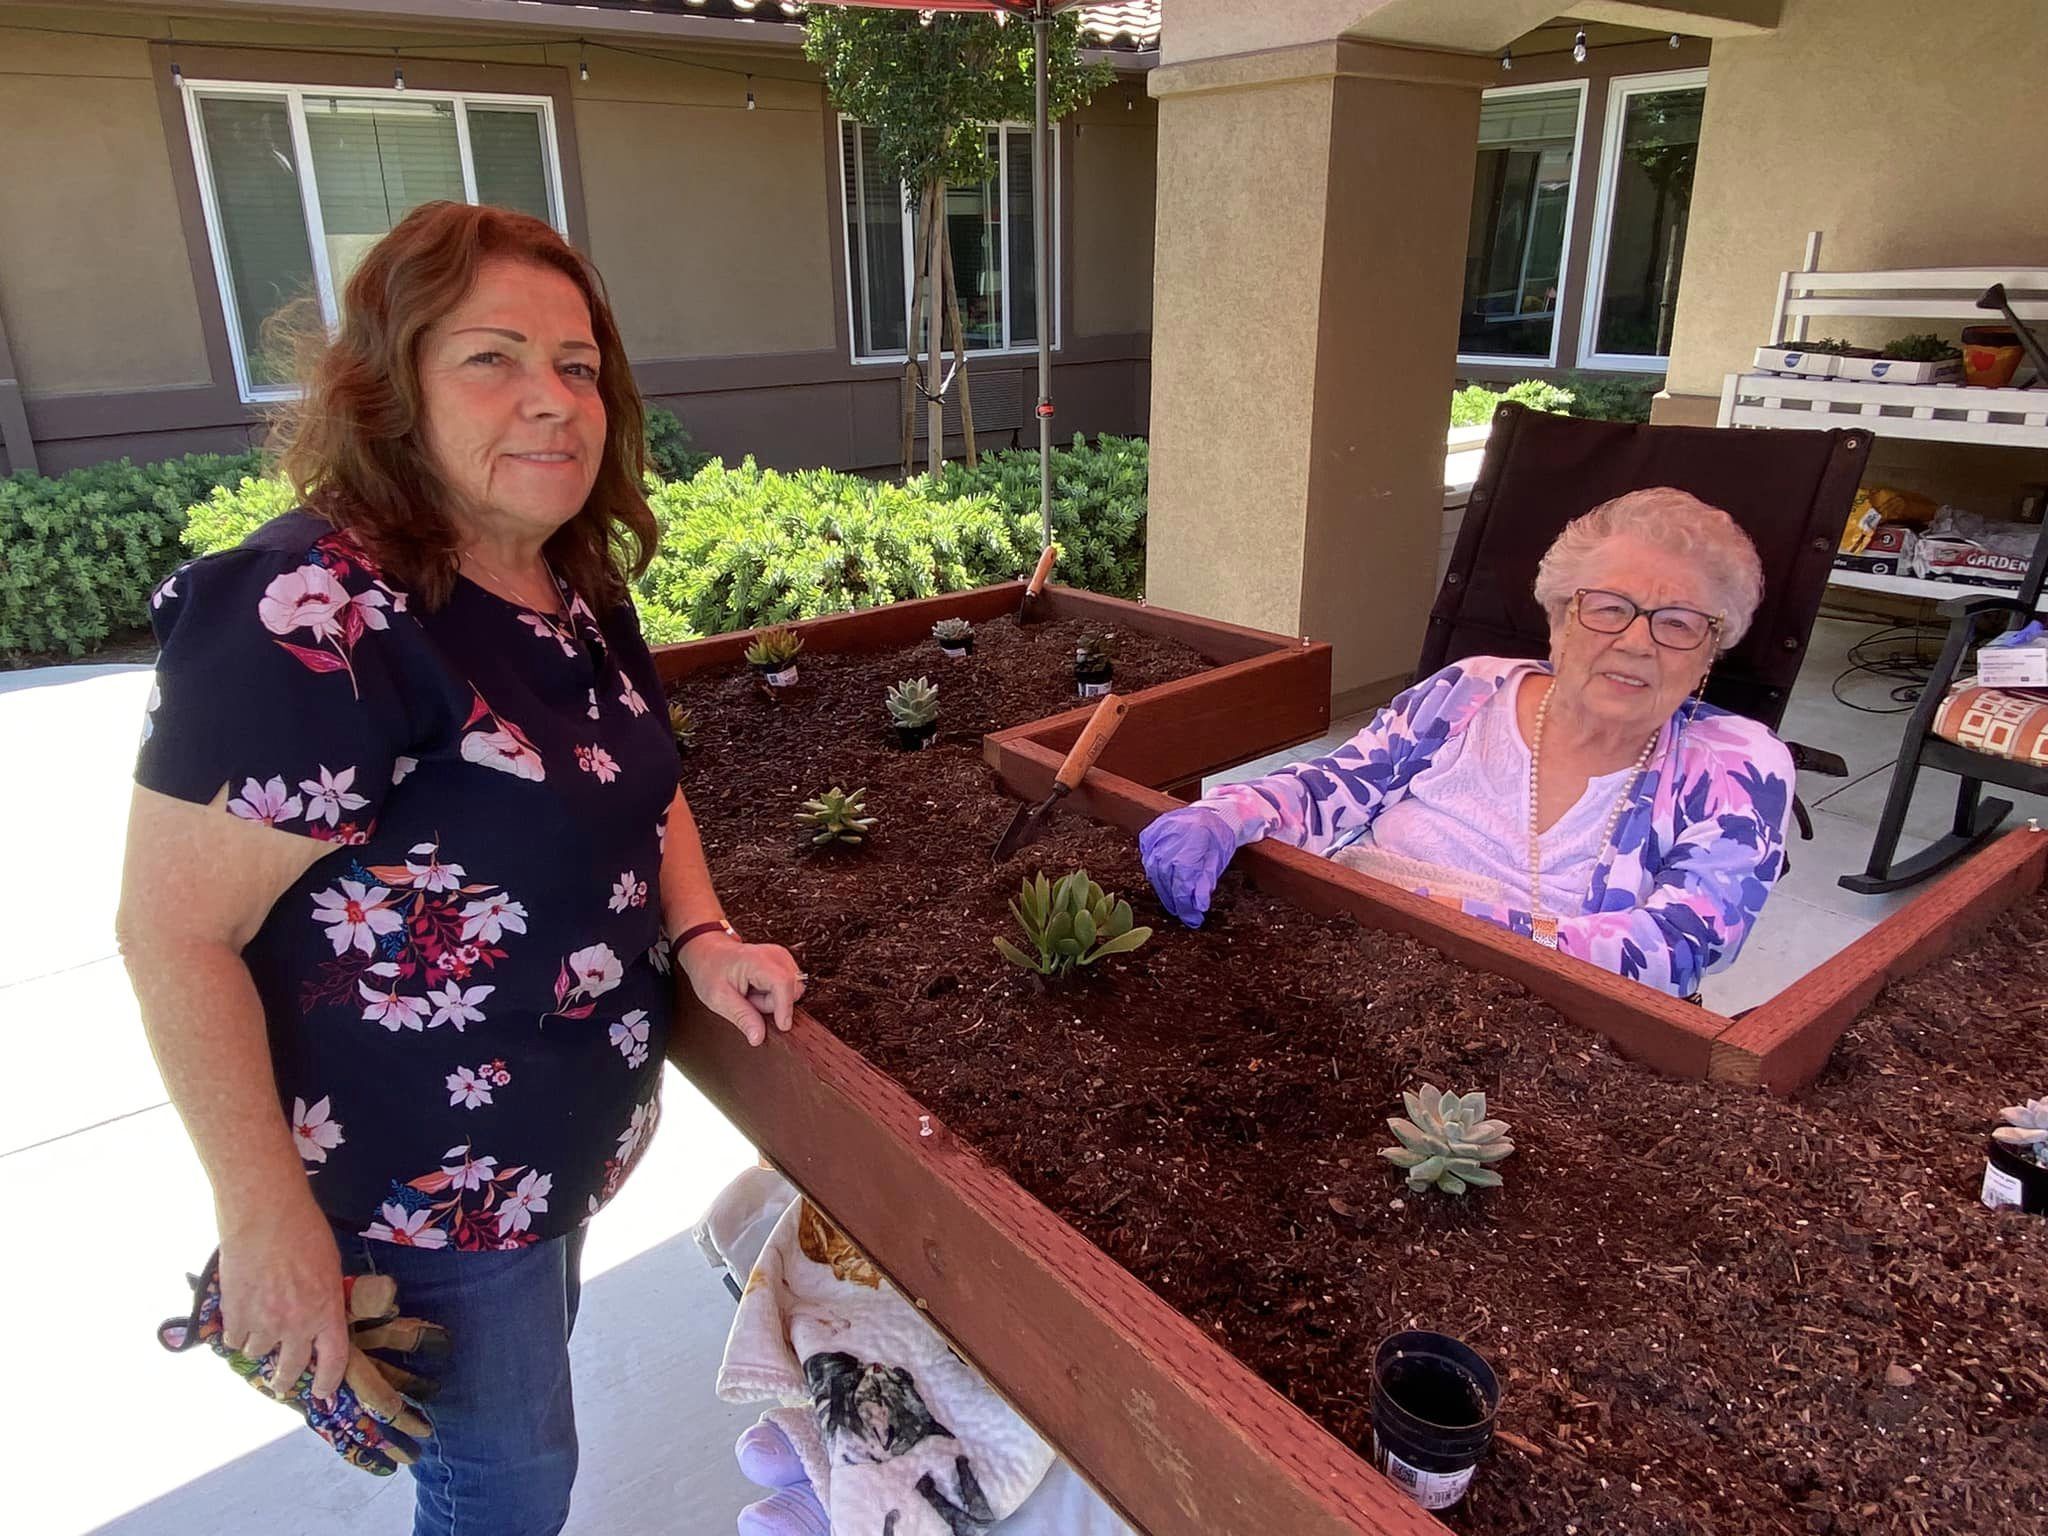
(469, 995)
(1699, 844)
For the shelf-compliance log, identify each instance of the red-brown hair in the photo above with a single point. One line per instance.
(353, 445)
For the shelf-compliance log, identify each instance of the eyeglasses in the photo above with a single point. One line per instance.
(1676, 629)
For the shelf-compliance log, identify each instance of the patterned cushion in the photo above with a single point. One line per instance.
(2005, 722)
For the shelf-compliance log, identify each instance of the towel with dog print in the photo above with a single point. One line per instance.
(899, 1436)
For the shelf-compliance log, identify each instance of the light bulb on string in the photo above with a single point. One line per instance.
(583, 61)
(1507, 58)
(1579, 47)
(397, 72)
(1674, 40)
(750, 93)
(177, 74)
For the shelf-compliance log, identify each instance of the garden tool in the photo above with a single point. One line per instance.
(1036, 585)
(1109, 714)
(1994, 298)
(371, 1420)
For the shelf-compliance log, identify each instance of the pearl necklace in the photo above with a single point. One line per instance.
(1543, 926)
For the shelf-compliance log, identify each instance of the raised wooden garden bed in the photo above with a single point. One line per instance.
(1174, 1428)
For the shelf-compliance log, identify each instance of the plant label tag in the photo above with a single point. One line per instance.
(2013, 666)
(1091, 690)
(2000, 1187)
(786, 678)
(1432, 1490)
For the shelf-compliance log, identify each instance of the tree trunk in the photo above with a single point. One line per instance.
(935, 408)
(957, 332)
(912, 319)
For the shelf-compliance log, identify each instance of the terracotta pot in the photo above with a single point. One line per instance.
(1991, 355)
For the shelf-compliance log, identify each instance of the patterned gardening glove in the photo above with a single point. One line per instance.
(371, 1422)
(1184, 852)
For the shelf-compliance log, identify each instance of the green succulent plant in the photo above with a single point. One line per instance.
(836, 817)
(954, 632)
(1069, 922)
(775, 647)
(1921, 347)
(913, 703)
(682, 725)
(1092, 650)
(1447, 1141)
(2026, 1129)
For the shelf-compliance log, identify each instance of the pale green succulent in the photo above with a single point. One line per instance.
(913, 703)
(1447, 1141)
(2026, 1129)
(1069, 923)
(682, 725)
(836, 817)
(775, 647)
(953, 632)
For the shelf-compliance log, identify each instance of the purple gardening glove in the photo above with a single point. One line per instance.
(1184, 852)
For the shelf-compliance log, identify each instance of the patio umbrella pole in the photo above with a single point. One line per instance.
(1041, 27)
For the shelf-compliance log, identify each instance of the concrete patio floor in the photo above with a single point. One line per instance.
(110, 1206)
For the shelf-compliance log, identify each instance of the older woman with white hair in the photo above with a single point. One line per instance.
(1594, 802)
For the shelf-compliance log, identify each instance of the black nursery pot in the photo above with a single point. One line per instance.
(782, 676)
(1433, 1401)
(914, 738)
(1092, 682)
(2013, 1178)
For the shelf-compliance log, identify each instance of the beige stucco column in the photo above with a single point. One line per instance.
(1313, 203)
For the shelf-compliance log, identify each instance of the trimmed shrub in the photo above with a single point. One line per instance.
(670, 454)
(1610, 399)
(234, 512)
(1098, 508)
(1473, 406)
(748, 546)
(80, 553)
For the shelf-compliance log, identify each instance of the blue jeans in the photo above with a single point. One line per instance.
(503, 1453)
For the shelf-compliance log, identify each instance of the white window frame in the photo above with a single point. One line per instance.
(294, 97)
(856, 259)
(1571, 204)
(1619, 90)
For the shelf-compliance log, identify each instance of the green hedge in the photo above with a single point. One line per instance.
(80, 553)
(670, 453)
(1572, 394)
(1473, 406)
(1098, 507)
(233, 512)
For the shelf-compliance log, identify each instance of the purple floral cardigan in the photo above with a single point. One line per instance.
(1697, 849)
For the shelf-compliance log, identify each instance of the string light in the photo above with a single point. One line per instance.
(397, 72)
(1674, 40)
(750, 93)
(177, 74)
(1507, 58)
(1579, 47)
(583, 61)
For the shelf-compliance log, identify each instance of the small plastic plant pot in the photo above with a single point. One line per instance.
(2013, 1178)
(1433, 1401)
(957, 650)
(782, 676)
(914, 738)
(1092, 682)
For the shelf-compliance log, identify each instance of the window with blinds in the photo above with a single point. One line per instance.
(990, 225)
(299, 184)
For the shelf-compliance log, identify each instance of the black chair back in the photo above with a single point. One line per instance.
(1790, 491)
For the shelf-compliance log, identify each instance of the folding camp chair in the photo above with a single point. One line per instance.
(1790, 492)
(1983, 735)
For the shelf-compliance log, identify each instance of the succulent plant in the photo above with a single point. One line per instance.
(775, 647)
(2026, 1128)
(682, 725)
(1921, 347)
(913, 704)
(1070, 922)
(1447, 1141)
(1091, 651)
(953, 632)
(836, 817)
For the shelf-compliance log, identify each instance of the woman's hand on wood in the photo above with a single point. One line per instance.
(745, 984)
(281, 1291)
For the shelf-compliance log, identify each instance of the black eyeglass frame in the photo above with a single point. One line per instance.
(1638, 611)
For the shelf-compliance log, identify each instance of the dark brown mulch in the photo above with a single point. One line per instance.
(1712, 1311)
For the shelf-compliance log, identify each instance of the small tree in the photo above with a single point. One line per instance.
(930, 86)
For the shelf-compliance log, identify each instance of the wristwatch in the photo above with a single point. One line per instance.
(698, 930)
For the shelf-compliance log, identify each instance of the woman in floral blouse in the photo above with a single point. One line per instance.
(408, 865)
(1593, 803)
